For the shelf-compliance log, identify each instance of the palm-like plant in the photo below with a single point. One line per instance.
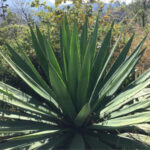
(79, 107)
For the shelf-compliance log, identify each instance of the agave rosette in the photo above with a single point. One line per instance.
(80, 106)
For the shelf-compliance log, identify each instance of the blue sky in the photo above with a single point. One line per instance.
(127, 1)
(51, 2)
(106, 1)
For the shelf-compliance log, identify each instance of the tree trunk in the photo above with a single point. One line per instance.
(144, 14)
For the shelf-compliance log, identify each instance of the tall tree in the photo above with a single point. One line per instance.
(3, 8)
(142, 8)
(23, 9)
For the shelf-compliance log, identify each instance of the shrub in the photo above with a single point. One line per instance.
(11, 34)
(78, 106)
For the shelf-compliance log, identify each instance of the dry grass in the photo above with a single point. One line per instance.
(144, 63)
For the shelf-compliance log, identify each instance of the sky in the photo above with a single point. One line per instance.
(52, 2)
(106, 1)
(127, 1)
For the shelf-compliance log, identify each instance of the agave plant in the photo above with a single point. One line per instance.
(79, 106)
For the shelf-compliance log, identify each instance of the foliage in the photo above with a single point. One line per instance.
(3, 8)
(52, 17)
(12, 29)
(140, 9)
(78, 106)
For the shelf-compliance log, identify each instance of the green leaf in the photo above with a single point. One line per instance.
(31, 146)
(120, 59)
(122, 142)
(93, 40)
(139, 129)
(8, 93)
(112, 85)
(54, 142)
(89, 54)
(84, 81)
(126, 96)
(123, 67)
(28, 116)
(25, 144)
(8, 97)
(95, 143)
(141, 105)
(137, 118)
(26, 73)
(77, 142)
(84, 39)
(24, 130)
(40, 40)
(65, 37)
(21, 125)
(22, 140)
(51, 58)
(100, 59)
(40, 51)
(131, 65)
(52, 103)
(63, 95)
(74, 63)
(103, 69)
(83, 115)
